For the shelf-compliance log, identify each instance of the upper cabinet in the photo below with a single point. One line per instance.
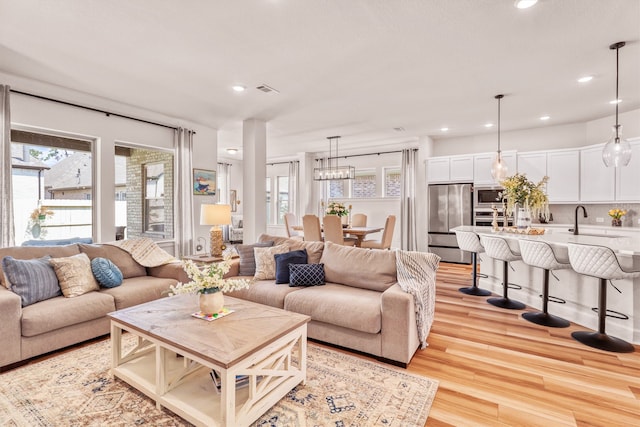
(628, 177)
(597, 182)
(450, 169)
(533, 165)
(482, 167)
(438, 169)
(563, 170)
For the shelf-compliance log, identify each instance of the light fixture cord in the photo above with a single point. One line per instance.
(499, 126)
(617, 100)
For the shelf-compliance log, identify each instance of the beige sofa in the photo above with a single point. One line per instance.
(58, 322)
(361, 306)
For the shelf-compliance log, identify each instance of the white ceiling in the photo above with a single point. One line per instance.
(356, 68)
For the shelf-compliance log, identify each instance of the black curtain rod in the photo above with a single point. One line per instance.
(362, 155)
(97, 110)
(282, 163)
(225, 164)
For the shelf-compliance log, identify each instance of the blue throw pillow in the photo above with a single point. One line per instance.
(306, 274)
(106, 272)
(33, 279)
(283, 261)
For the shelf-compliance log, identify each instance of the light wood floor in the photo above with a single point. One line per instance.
(497, 369)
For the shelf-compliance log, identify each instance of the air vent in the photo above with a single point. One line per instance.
(267, 88)
(399, 129)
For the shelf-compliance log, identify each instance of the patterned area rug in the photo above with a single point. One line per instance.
(76, 389)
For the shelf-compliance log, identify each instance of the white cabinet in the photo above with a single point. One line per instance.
(628, 177)
(597, 182)
(533, 165)
(450, 169)
(438, 169)
(563, 170)
(482, 167)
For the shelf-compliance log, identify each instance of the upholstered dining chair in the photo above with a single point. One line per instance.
(289, 221)
(311, 228)
(359, 220)
(332, 225)
(387, 236)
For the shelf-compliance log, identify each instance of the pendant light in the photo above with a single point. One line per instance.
(499, 167)
(617, 151)
(333, 171)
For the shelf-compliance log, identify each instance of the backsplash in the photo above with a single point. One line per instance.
(565, 214)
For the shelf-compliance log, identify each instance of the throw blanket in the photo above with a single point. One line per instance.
(145, 251)
(417, 276)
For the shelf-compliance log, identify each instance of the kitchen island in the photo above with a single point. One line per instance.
(574, 295)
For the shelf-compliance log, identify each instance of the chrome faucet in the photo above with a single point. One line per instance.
(575, 222)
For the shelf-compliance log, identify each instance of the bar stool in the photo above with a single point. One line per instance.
(600, 262)
(539, 254)
(497, 248)
(470, 242)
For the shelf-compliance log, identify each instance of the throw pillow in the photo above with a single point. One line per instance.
(266, 263)
(283, 261)
(33, 279)
(306, 275)
(247, 258)
(106, 272)
(75, 275)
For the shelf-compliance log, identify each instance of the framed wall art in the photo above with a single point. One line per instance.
(204, 182)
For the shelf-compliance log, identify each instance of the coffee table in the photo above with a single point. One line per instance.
(175, 353)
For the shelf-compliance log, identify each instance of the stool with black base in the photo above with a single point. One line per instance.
(539, 254)
(470, 242)
(497, 248)
(600, 262)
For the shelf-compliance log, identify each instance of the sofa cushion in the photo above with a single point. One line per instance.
(33, 279)
(283, 261)
(121, 258)
(106, 273)
(359, 267)
(59, 312)
(265, 261)
(137, 290)
(248, 258)
(74, 275)
(314, 249)
(340, 305)
(306, 274)
(19, 252)
(264, 292)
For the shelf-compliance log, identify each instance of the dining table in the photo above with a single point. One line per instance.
(358, 232)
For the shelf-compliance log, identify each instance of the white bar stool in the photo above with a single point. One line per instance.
(470, 242)
(497, 248)
(539, 254)
(602, 263)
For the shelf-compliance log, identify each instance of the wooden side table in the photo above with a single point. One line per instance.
(202, 259)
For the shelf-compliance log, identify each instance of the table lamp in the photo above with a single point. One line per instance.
(215, 215)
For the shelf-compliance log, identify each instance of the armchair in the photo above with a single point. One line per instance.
(235, 229)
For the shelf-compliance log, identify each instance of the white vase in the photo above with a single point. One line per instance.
(524, 218)
(211, 303)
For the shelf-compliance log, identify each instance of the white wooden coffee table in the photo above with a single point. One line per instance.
(176, 352)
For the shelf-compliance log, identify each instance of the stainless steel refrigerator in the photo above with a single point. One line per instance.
(450, 205)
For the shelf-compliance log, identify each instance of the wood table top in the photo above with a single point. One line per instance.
(223, 341)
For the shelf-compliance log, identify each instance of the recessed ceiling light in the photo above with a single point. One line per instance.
(615, 101)
(543, 118)
(585, 79)
(525, 4)
(444, 129)
(239, 88)
(232, 150)
(488, 125)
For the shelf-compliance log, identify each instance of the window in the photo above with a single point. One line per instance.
(154, 197)
(364, 184)
(392, 182)
(336, 189)
(283, 197)
(268, 191)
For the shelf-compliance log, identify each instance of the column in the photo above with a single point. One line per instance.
(254, 152)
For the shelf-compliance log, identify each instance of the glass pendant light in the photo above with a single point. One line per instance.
(499, 167)
(617, 151)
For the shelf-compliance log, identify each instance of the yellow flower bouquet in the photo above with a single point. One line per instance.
(617, 213)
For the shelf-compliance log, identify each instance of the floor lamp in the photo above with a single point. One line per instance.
(215, 215)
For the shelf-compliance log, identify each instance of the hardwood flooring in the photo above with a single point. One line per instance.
(497, 369)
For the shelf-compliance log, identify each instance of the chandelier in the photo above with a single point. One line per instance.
(333, 171)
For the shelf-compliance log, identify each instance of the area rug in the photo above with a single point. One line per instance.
(75, 389)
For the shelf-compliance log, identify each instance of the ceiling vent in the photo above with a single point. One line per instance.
(267, 89)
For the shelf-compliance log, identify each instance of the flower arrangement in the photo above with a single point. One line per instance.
(518, 189)
(207, 280)
(337, 208)
(40, 214)
(617, 213)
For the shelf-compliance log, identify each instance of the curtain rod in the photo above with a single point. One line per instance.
(282, 163)
(225, 164)
(97, 110)
(362, 155)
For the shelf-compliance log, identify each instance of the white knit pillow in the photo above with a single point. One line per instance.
(266, 262)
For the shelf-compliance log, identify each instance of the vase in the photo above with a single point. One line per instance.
(616, 222)
(36, 230)
(211, 303)
(523, 220)
(344, 220)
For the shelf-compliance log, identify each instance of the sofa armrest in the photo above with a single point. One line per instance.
(399, 330)
(10, 328)
(172, 270)
(235, 268)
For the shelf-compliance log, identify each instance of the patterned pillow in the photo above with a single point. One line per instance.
(33, 279)
(248, 259)
(266, 263)
(306, 275)
(106, 272)
(75, 275)
(283, 261)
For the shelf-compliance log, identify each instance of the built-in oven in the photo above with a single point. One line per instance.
(487, 196)
(483, 217)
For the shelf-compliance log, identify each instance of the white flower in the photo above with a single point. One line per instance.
(208, 279)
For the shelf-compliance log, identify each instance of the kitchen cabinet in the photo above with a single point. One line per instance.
(563, 170)
(438, 169)
(628, 177)
(533, 165)
(597, 182)
(450, 169)
(482, 167)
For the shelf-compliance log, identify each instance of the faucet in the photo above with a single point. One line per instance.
(575, 223)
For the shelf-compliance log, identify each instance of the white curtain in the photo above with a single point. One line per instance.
(184, 209)
(6, 198)
(294, 185)
(409, 239)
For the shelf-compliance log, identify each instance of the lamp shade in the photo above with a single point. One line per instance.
(215, 214)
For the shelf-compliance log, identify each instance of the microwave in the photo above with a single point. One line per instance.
(486, 196)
